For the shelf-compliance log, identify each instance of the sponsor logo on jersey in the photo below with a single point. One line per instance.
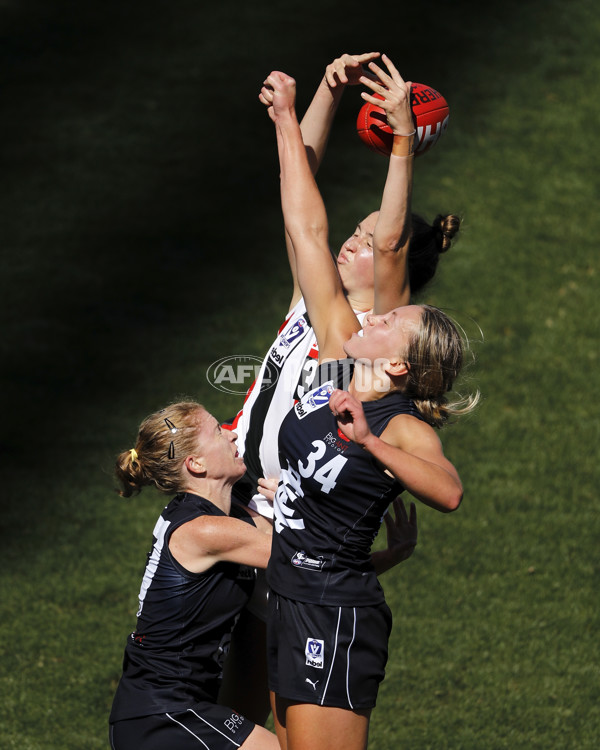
(233, 723)
(302, 560)
(312, 683)
(314, 400)
(314, 652)
(339, 443)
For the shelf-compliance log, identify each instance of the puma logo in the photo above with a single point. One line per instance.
(314, 684)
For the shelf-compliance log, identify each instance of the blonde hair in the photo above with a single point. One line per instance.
(164, 441)
(435, 355)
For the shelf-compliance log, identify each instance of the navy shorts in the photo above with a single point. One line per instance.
(204, 726)
(328, 656)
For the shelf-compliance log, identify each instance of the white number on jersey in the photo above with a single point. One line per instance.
(159, 534)
(290, 489)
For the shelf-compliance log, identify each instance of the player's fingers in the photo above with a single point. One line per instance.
(366, 57)
(369, 76)
(372, 99)
(276, 79)
(335, 402)
(269, 483)
(394, 72)
(400, 510)
(413, 514)
(264, 101)
(341, 74)
(389, 522)
(380, 73)
(394, 79)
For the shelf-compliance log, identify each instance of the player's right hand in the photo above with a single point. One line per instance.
(278, 94)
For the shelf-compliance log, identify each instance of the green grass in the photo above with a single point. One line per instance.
(140, 242)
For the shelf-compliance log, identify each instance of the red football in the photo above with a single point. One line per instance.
(430, 114)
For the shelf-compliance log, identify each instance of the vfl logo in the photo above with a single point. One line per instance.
(297, 330)
(310, 682)
(314, 400)
(314, 652)
(281, 348)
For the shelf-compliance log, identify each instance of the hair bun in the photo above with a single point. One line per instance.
(447, 226)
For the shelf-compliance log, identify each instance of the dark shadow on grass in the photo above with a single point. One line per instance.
(140, 188)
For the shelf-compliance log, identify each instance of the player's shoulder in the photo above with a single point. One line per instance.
(404, 430)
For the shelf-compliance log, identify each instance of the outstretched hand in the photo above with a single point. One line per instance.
(401, 531)
(278, 94)
(396, 96)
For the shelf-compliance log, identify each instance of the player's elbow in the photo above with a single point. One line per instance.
(452, 500)
(388, 243)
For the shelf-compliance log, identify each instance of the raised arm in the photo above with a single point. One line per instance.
(391, 236)
(316, 124)
(306, 223)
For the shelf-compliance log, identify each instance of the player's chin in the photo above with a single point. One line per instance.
(349, 348)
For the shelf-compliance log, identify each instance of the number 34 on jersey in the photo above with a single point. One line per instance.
(290, 484)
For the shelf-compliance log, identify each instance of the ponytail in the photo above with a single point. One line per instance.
(427, 243)
(435, 358)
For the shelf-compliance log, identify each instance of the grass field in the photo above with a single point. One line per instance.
(142, 240)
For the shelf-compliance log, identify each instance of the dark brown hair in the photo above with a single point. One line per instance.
(427, 242)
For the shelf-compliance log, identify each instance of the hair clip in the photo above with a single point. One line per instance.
(171, 452)
(170, 425)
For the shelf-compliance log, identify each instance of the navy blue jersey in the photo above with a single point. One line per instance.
(330, 500)
(287, 373)
(175, 656)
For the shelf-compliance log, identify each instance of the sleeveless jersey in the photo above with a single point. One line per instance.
(175, 656)
(330, 501)
(286, 375)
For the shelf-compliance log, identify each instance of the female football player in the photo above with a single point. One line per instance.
(349, 445)
(290, 363)
(199, 575)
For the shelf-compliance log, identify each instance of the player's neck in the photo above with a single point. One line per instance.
(368, 384)
(361, 302)
(214, 491)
